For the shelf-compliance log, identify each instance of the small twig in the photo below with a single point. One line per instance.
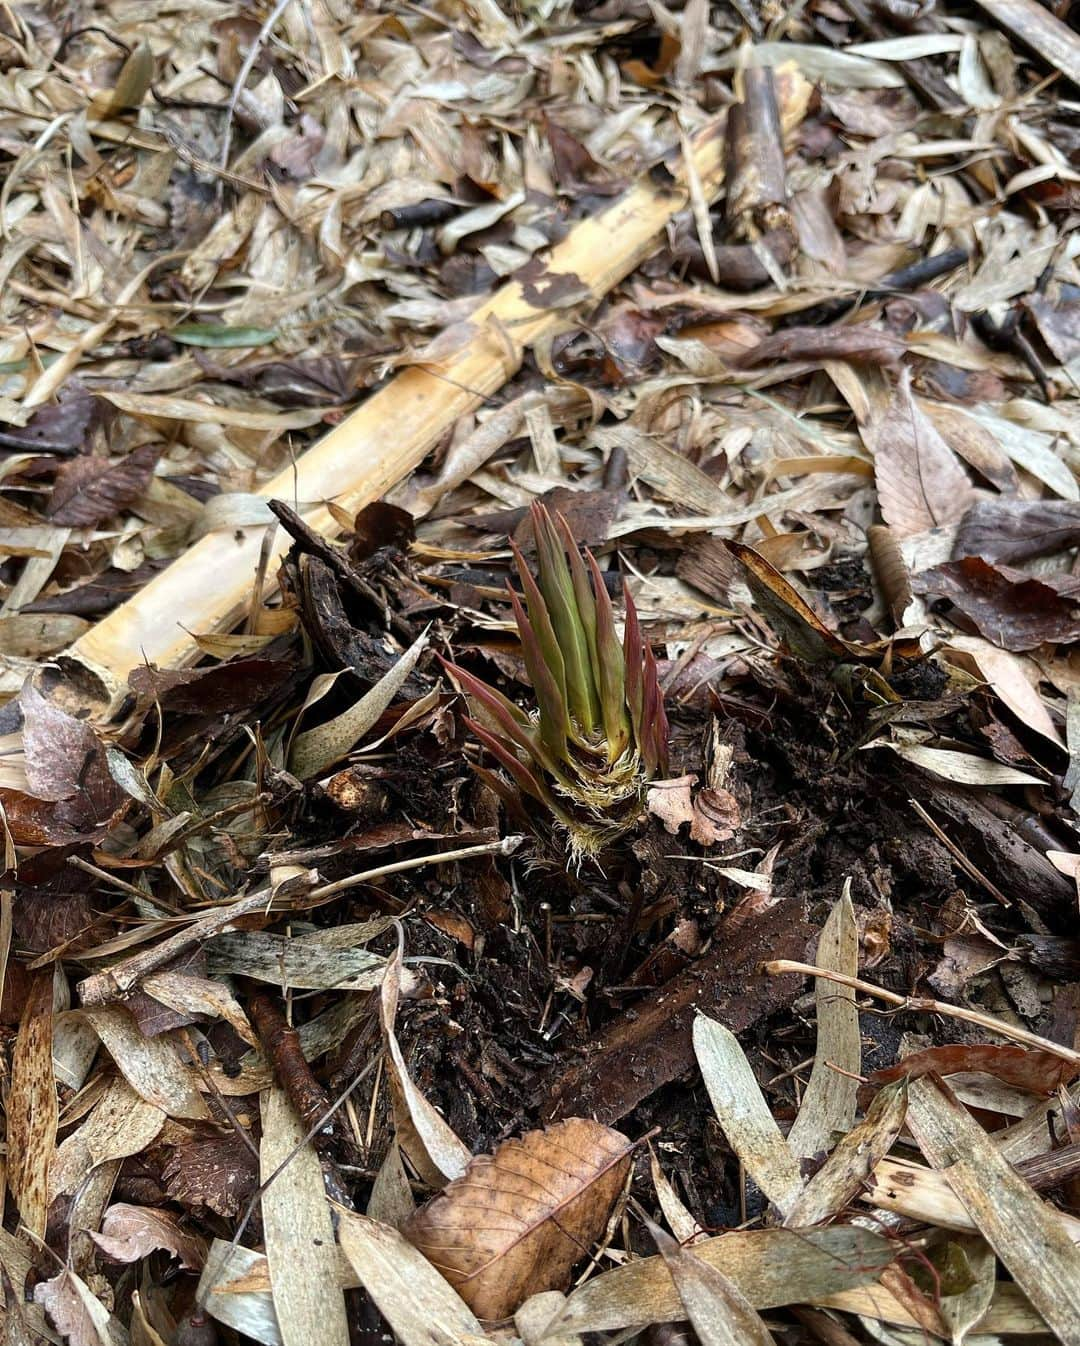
(968, 866)
(507, 846)
(923, 1005)
(242, 75)
(118, 981)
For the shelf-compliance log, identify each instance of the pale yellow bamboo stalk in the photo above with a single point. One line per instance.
(208, 588)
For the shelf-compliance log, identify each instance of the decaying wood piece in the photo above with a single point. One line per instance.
(757, 202)
(209, 587)
(636, 1055)
(1035, 25)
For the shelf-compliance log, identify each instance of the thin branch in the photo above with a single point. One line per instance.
(923, 1005)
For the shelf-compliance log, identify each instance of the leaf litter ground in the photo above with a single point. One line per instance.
(307, 1035)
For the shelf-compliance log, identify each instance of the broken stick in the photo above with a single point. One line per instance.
(208, 588)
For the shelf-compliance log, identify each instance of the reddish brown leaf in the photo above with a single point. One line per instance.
(1058, 324)
(1010, 608)
(577, 171)
(89, 490)
(518, 1220)
(216, 1172)
(1038, 1072)
(920, 481)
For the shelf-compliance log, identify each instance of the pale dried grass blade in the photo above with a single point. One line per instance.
(744, 1115)
(828, 1106)
(1028, 1235)
(421, 1308)
(298, 1231)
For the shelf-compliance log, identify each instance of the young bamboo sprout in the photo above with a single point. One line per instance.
(599, 732)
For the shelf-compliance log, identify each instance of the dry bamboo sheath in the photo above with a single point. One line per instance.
(209, 587)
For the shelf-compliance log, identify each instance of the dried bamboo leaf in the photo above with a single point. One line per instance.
(249, 1311)
(963, 768)
(719, 1312)
(849, 1166)
(391, 1201)
(200, 995)
(1028, 1235)
(150, 1065)
(744, 1115)
(31, 1107)
(420, 1306)
(299, 1232)
(770, 1267)
(121, 1124)
(548, 1197)
(316, 749)
(319, 961)
(828, 1105)
(682, 1224)
(434, 1150)
(920, 482)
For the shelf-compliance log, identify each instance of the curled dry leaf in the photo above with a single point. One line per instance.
(518, 1220)
(77, 1312)
(131, 1232)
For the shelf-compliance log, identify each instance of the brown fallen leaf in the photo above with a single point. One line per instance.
(547, 1198)
(920, 481)
(1010, 608)
(1016, 530)
(89, 490)
(31, 1107)
(77, 1312)
(217, 1173)
(1034, 1071)
(1058, 324)
(131, 1232)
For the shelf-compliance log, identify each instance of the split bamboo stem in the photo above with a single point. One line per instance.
(209, 587)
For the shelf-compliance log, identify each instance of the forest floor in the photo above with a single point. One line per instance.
(786, 327)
